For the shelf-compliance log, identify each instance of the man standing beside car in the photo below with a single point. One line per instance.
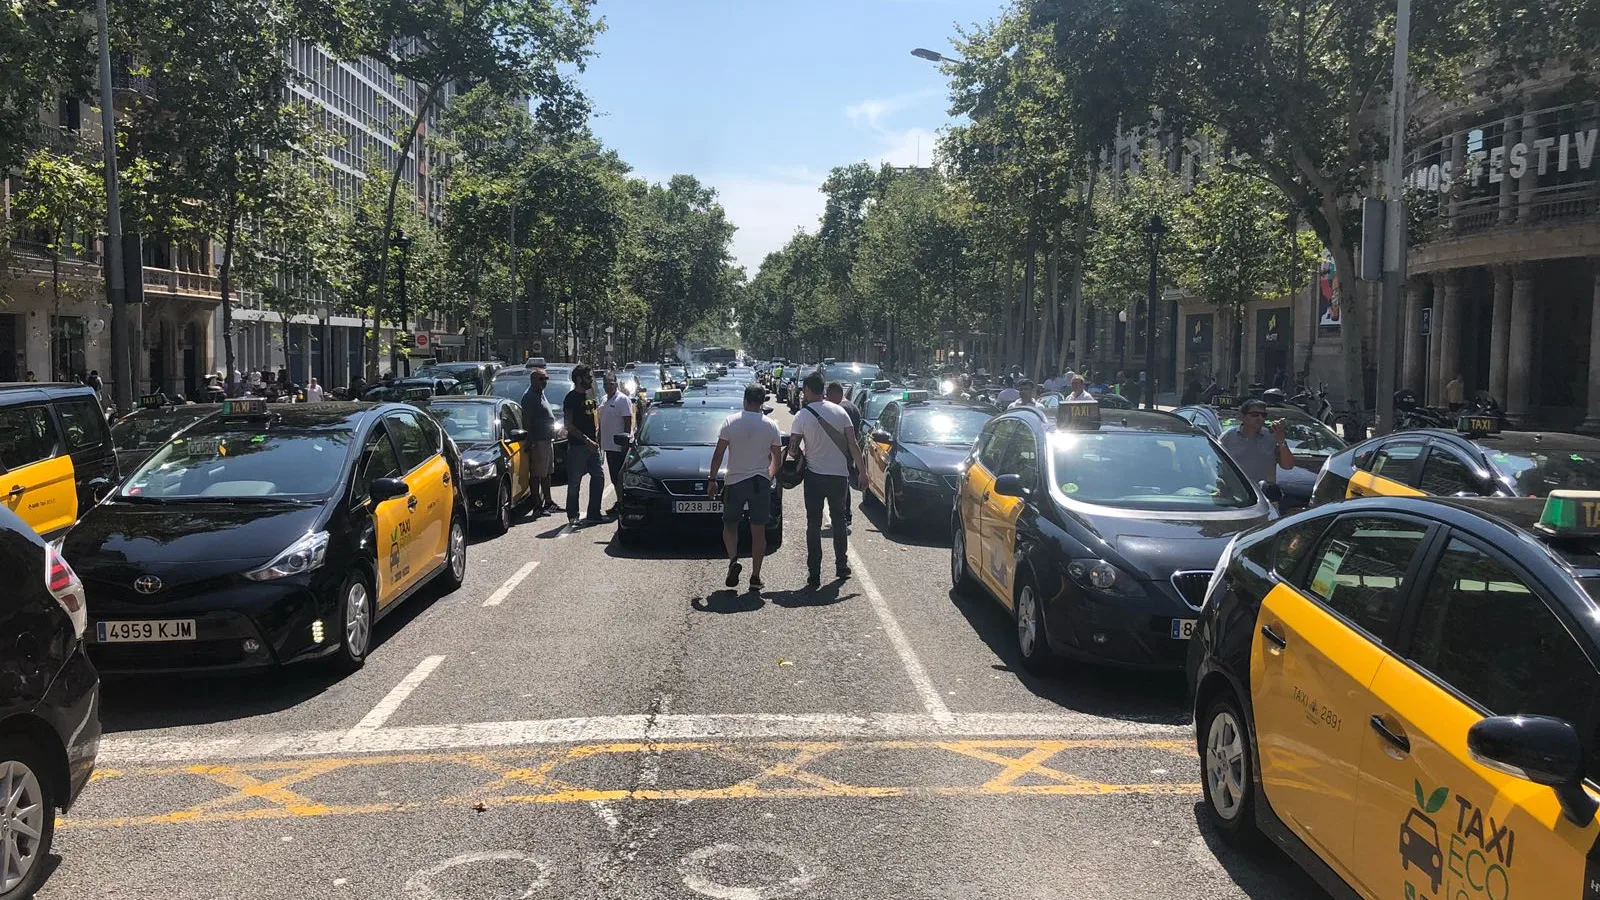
(583, 447)
(754, 449)
(616, 420)
(541, 423)
(820, 428)
(1260, 453)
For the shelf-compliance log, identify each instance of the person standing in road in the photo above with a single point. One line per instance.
(1080, 392)
(836, 397)
(616, 420)
(754, 449)
(313, 391)
(583, 447)
(1025, 395)
(1259, 452)
(819, 435)
(541, 424)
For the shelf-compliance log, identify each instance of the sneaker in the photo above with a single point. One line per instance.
(572, 521)
(756, 583)
(842, 573)
(734, 569)
(813, 582)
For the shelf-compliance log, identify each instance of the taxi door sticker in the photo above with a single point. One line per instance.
(1451, 847)
(1328, 569)
(44, 494)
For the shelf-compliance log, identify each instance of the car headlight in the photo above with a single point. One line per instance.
(1099, 575)
(478, 469)
(917, 476)
(638, 481)
(301, 557)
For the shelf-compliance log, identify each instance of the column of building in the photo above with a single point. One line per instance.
(1591, 421)
(1413, 368)
(1519, 353)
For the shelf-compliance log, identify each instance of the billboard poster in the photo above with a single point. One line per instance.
(1328, 306)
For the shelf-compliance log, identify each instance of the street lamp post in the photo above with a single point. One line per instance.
(1154, 231)
(116, 284)
(933, 56)
(403, 244)
(516, 201)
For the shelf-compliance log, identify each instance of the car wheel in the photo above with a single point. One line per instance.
(1032, 641)
(892, 523)
(356, 612)
(27, 819)
(455, 558)
(960, 577)
(1227, 771)
(502, 511)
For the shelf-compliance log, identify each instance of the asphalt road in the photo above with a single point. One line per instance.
(619, 724)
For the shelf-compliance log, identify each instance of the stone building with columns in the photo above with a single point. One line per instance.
(1504, 270)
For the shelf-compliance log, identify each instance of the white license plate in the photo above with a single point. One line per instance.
(1183, 629)
(133, 632)
(697, 506)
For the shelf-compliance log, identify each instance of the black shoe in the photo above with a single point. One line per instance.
(594, 520)
(756, 583)
(572, 521)
(813, 582)
(734, 569)
(842, 573)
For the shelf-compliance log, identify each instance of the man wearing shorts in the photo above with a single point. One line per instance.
(754, 448)
(541, 425)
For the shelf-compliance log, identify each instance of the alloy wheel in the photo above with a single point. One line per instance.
(458, 551)
(1027, 620)
(357, 621)
(505, 507)
(1225, 765)
(958, 556)
(22, 823)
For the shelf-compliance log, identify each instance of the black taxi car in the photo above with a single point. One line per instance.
(1098, 530)
(1475, 460)
(915, 453)
(270, 535)
(1402, 693)
(664, 473)
(56, 456)
(495, 462)
(142, 432)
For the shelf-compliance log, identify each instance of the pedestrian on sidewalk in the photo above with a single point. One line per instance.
(819, 438)
(583, 446)
(754, 449)
(541, 423)
(616, 419)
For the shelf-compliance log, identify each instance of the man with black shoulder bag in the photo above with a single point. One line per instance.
(828, 456)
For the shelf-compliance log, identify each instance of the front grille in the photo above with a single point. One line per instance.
(1191, 586)
(686, 487)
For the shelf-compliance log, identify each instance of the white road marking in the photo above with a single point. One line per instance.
(698, 867)
(504, 590)
(607, 815)
(605, 729)
(386, 707)
(931, 701)
(418, 885)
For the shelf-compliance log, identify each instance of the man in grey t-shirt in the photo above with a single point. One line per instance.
(1260, 453)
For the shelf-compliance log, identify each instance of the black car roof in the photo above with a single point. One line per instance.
(1290, 409)
(23, 391)
(484, 399)
(1112, 419)
(1515, 440)
(302, 415)
(941, 402)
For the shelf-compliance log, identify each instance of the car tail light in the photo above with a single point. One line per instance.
(66, 588)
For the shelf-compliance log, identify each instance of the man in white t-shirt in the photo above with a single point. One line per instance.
(616, 418)
(313, 391)
(754, 448)
(822, 434)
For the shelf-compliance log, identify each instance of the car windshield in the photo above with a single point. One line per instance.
(849, 373)
(555, 392)
(510, 388)
(648, 380)
(141, 432)
(683, 426)
(677, 373)
(466, 423)
(1538, 472)
(232, 460)
(467, 375)
(1147, 470)
(874, 405)
(1305, 436)
(935, 425)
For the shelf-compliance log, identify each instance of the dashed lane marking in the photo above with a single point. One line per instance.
(386, 707)
(593, 773)
(915, 670)
(503, 591)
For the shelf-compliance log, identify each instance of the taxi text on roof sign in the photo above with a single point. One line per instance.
(1571, 513)
(152, 401)
(244, 407)
(669, 396)
(1476, 425)
(1078, 414)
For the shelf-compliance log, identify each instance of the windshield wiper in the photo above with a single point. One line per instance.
(238, 500)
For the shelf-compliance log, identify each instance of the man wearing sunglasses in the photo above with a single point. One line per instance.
(1259, 452)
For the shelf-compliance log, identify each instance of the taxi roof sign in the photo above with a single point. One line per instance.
(1571, 514)
(418, 393)
(672, 395)
(697, 382)
(881, 384)
(1226, 401)
(1078, 414)
(152, 401)
(1478, 425)
(244, 408)
(915, 396)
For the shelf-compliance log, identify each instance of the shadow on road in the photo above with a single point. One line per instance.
(1110, 693)
(733, 601)
(1264, 872)
(913, 534)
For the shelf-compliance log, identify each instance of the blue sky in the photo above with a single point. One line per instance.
(761, 98)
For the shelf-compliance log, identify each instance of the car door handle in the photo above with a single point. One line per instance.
(985, 496)
(1277, 639)
(447, 478)
(17, 490)
(1400, 741)
(411, 503)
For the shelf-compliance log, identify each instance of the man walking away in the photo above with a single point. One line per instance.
(583, 447)
(541, 423)
(1258, 452)
(754, 449)
(820, 428)
(836, 397)
(616, 418)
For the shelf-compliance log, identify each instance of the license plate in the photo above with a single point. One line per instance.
(133, 632)
(1183, 629)
(697, 506)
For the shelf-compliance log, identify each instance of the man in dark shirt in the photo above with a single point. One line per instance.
(541, 423)
(583, 447)
(835, 396)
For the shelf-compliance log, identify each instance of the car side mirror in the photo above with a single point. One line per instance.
(516, 436)
(882, 437)
(623, 440)
(382, 489)
(1010, 486)
(1540, 749)
(1272, 492)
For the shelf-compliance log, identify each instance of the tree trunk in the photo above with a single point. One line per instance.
(388, 226)
(1352, 336)
(1076, 292)
(1052, 316)
(224, 284)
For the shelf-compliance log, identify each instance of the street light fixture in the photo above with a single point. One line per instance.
(933, 56)
(1154, 231)
(516, 325)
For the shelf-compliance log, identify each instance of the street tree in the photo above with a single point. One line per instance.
(47, 52)
(62, 203)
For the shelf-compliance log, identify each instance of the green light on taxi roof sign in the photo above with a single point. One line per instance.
(915, 396)
(1571, 513)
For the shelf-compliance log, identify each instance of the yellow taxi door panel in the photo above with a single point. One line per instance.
(978, 484)
(1313, 658)
(1002, 545)
(430, 487)
(1391, 473)
(392, 525)
(44, 494)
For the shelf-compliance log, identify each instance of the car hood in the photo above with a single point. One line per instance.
(674, 462)
(940, 458)
(184, 542)
(1154, 548)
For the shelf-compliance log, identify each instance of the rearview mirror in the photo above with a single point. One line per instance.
(1010, 486)
(882, 437)
(516, 435)
(1540, 749)
(382, 489)
(1272, 492)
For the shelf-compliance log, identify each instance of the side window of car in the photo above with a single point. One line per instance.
(83, 424)
(412, 440)
(1445, 474)
(1482, 630)
(992, 448)
(1397, 461)
(1359, 569)
(1023, 459)
(27, 435)
(378, 460)
(1292, 545)
(510, 419)
(890, 420)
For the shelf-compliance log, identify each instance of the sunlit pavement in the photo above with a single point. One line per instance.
(619, 724)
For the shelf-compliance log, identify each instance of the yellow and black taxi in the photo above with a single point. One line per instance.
(870, 400)
(1402, 693)
(1475, 460)
(56, 454)
(1310, 441)
(142, 432)
(915, 453)
(665, 470)
(1098, 530)
(496, 465)
(270, 535)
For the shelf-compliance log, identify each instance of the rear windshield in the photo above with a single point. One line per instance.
(143, 432)
(225, 460)
(466, 423)
(1538, 472)
(510, 388)
(1145, 470)
(874, 405)
(683, 426)
(1304, 436)
(850, 372)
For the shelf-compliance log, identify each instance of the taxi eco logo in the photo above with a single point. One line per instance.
(1475, 863)
(398, 536)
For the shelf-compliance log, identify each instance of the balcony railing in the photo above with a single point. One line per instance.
(172, 281)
